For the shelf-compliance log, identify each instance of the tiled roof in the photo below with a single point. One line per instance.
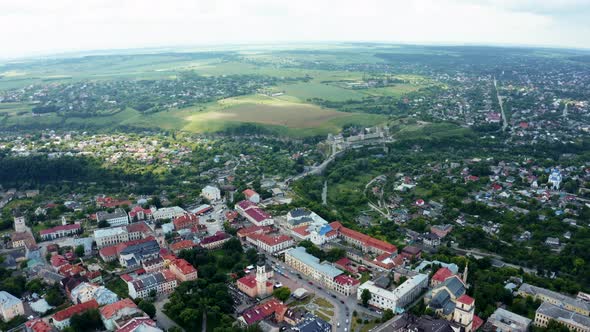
(219, 236)
(344, 279)
(60, 228)
(264, 310)
(270, 240)
(365, 239)
(38, 325)
(245, 205)
(110, 309)
(257, 214)
(442, 274)
(184, 266)
(301, 230)
(466, 299)
(249, 193)
(184, 244)
(138, 227)
(75, 309)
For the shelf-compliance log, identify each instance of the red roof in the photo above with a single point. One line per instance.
(108, 251)
(344, 279)
(270, 240)
(219, 236)
(231, 215)
(58, 260)
(245, 205)
(466, 299)
(135, 323)
(477, 323)
(257, 214)
(301, 230)
(184, 266)
(126, 277)
(38, 325)
(110, 309)
(264, 310)
(442, 274)
(60, 316)
(365, 239)
(248, 281)
(249, 193)
(138, 227)
(60, 228)
(185, 221)
(184, 244)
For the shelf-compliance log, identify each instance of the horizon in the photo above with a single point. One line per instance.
(65, 26)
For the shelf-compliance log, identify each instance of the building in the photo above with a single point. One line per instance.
(20, 224)
(572, 320)
(366, 243)
(270, 243)
(440, 276)
(23, 240)
(312, 323)
(183, 270)
(324, 273)
(134, 253)
(162, 282)
(252, 196)
(407, 322)
(464, 312)
(187, 220)
(257, 216)
(399, 297)
(215, 241)
(256, 285)
(61, 319)
(442, 299)
(272, 309)
(503, 320)
(441, 230)
(138, 213)
(10, 306)
(38, 325)
(299, 217)
(60, 231)
(555, 179)
(140, 324)
(86, 291)
(564, 301)
(211, 193)
(116, 218)
(177, 247)
(168, 213)
(116, 315)
(111, 236)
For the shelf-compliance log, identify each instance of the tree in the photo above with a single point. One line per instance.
(103, 224)
(54, 297)
(79, 251)
(148, 308)
(365, 297)
(87, 321)
(282, 293)
(387, 315)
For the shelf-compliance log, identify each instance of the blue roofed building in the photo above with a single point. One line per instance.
(312, 323)
(442, 298)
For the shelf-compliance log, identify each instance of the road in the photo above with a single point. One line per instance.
(164, 321)
(474, 252)
(343, 306)
(504, 121)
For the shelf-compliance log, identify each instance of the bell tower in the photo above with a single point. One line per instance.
(261, 277)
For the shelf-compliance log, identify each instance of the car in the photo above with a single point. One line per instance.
(334, 296)
(347, 314)
(341, 301)
(347, 321)
(309, 282)
(338, 325)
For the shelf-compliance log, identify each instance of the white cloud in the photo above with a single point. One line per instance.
(31, 26)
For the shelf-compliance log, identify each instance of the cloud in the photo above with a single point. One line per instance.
(33, 26)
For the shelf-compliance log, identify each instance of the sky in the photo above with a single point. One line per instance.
(34, 27)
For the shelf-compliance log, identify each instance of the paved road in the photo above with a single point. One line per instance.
(343, 306)
(504, 120)
(163, 321)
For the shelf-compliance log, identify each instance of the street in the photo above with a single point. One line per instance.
(343, 306)
(162, 320)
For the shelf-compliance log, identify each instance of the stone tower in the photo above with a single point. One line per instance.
(261, 277)
(464, 311)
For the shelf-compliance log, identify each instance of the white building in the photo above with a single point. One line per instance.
(211, 193)
(10, 306)
(555, 179)
(401, 296)
(117, 218)
(86, 291)
(162, 282)
(110, 236)
(168, 213)
(20, 224)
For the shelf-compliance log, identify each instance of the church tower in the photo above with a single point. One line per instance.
(464, 311)
(261, 277)
(465, 273)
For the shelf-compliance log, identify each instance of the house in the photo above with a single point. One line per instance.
(177, 247)
(183, 270)
(441, 230)
(399, 297)
(10, 306)
(38, 325)
(86, 291)
(572, 320)
(273, 309)
(138, 213)
(312, 323)
(252, 196)
(116, 218)
(211, 193)
(270, 243)
(503, 320)
(552, 241)
(412, 252)
(60, 231)
(61, 319)
(117, 314)
(187, 220)
(23, 240)
(294, 315)
(431, 239)
(161, 282)
(111, 236)
(134, 253)
(215, 241)
(168, 213)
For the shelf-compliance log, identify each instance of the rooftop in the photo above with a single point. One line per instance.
(8, 300)
(563, 315)
(534, 290)
(75, 309)
(325, 268)
(60, 228)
